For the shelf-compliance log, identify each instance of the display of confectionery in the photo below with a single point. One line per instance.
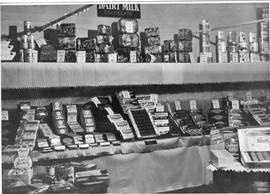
(135, 98)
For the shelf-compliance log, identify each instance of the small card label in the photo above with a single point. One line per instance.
(235, 104)
(160, 108)
(230, 95)
(193, 105)
(126, 94)
(248, 95)
(215, 103)
(109, 111)
(96, 101)
(177, 105)
(5, 115)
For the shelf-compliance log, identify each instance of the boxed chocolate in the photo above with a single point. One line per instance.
(221, 158)
(101, 58)
(104, 39)
(254, 57)
(153, 49)
(57, 106)
(129, 26)
(112, 58)
(254, 147)
(66, 43)
(151, 31)
(242, 37)
(183, 57)
(81, 56)
(254, 47)
(222, 57)
(47, 53)
(153, 40)
(129, 40)
(85, 44)
(61, 56)
(66, 30)
(185, 34)
(104, 29)
(104, 49)
(185, 46)
(233, 57)
(90, 56)
(70, 56)
(169, 45)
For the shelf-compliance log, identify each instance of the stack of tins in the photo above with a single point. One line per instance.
(183, 43)
(128, 39)
(86, 48)
(253, 47)
(66, 42)
(222, 55)
(104, 45)
(263, 32)
(27, 50)
(243, 48)
(232, 47)
(152, 48)
(206, 55)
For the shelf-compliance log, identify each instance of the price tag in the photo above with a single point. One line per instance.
(154, 98)
(230, 95)
(5, 115)
(235, 104)
(177, 105)
(193, 105)
(215, 103)
(96, 101)
(249, 95)
(203, 58)
(126, 94)
(40, 42)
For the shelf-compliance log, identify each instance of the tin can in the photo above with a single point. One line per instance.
(232, 48)
(21, 55)
(185, 34)
(97, 58)
(242, 37)
(31, 42)
(221, 46)
(232, 37)
(27, 26)
(221, 36)
(149, 58)
(254, 47)
(28, 55)
(34, 56)
(243, 47)
(24, 42)
(253, 37)
(264, 57)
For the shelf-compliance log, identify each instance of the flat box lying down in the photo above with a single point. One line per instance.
(255, 147)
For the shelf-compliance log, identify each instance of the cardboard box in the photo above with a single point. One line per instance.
(221, 158)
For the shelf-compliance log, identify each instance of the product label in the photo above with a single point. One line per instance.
(5, 115)
(215, 103)
(129, 27)
(61, 56)
(96, 101)
(177, 105)
(126, 94)
(160, 108)
(193, 105)
(235, 104)
(248, 95)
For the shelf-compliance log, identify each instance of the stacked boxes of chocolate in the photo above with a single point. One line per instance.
(253, 47)
(206, 55)
(183, 43)
(152, 48)
(72, 120)
(263, 33)
(243, 48)
(27, 51)
(170, 51)
(161, 119)
(236, 115)
(86, 48)
(222, 56)
(87, 120)
(104, 44)
(66, 42)
(232, 48)
(58, 118)
(128, 39)
(217, 116)
(261, 113)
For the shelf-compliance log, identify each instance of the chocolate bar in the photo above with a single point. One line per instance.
(110, 137)
(124, 129)
(99, 137)
(42, 143)
(59, 147)
(66, 30)
(84, 146)
(72, 146)
(48, 53)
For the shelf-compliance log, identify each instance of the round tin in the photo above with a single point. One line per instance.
(21, 55)
(28, 55)
(24, 42)
(149, 58)
(31, 42)
(27, 26)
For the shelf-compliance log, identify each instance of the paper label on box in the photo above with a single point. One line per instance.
(215, 103)
(248, 95)
(133, 56)
(5, 115)
(114, 118)
(96, 101)
(177, 105)
(126, 94)
(235, 104)
(109, 110)
(61, 56)
(193, 105)
(129, 27)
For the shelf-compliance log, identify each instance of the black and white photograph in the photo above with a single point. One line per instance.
(135, 96)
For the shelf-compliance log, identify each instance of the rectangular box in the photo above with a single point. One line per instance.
(128, 26)
(81, 57)
(85, 43)
(61, 56)
(64, 43)
(66, 30)
(151, 31)
(221, 158)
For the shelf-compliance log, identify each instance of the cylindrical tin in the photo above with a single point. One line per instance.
(205, 37)
(21, 55)
(221, 36)
(31, 42)
(243, 47)
(27, 26)
(149, 58)
(221, 46)
(34, 56)
(242, 37)
(254, 47)
(28, 55)
(24, 42)
(232, 37)
(253, 37)
(97, 58)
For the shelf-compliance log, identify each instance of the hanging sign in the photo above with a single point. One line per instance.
(119, 10)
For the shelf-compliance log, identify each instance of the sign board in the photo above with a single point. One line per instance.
(119, 10)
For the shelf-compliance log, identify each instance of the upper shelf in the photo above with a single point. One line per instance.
(45, 75)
